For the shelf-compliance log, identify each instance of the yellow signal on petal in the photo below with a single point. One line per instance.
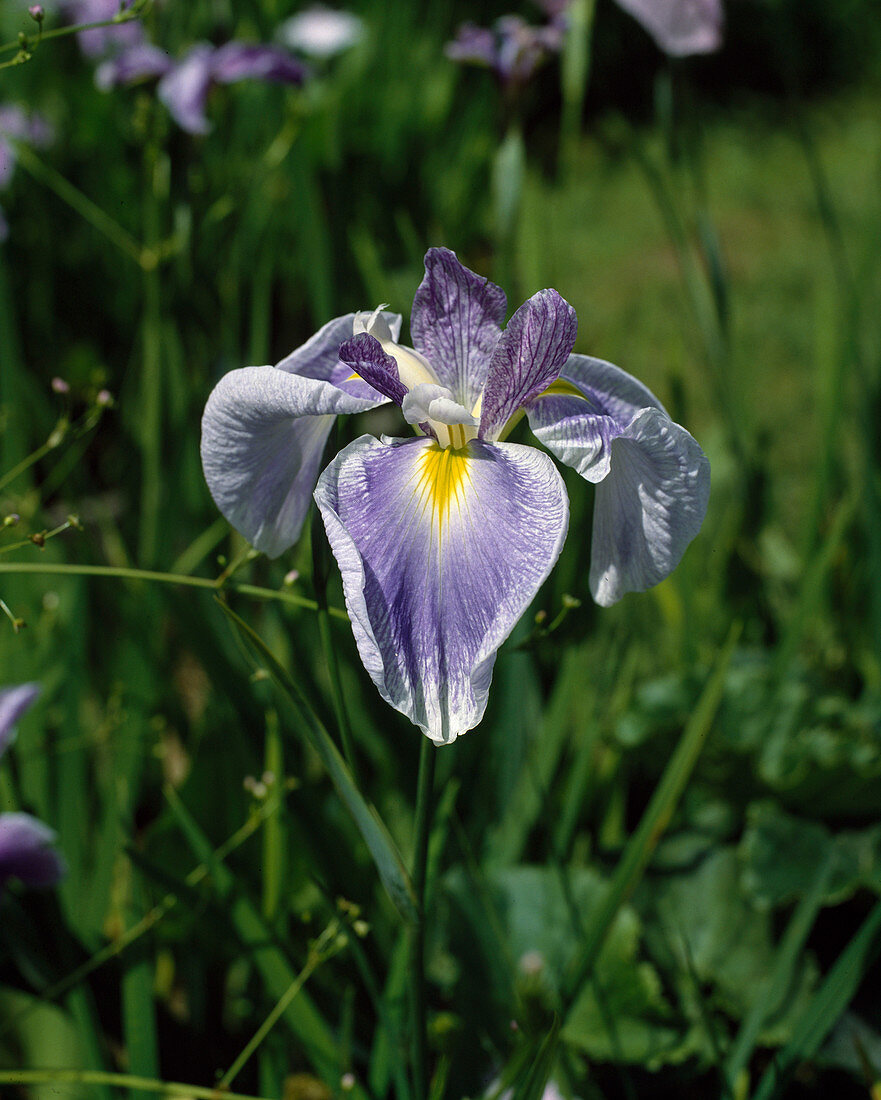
(441, 474)
(561, 387)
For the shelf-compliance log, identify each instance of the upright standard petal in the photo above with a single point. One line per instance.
(263, 435)
(649, 508)
(456, 323)
(528, 357)
(441, 552)
(14, 701)
(26, 851)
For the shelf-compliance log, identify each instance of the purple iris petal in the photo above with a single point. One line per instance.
(511, 48)
(184, 89)
(680, 27)
(140, 62)
(20, 125)
(246, 60)
(528, 357)
(263, 435)
(364, 355)
(441, 552)
(456, 323)
(14, 701)
(26, 851)
(102, 40)
(648, 509)
(653, 479)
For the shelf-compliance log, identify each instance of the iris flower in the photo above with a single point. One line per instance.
(26, 851)
(680, 27)
(444, 539)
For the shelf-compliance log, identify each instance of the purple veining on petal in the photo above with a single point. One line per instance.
(579, 430)
(438, 564)
(680, 27)
(456, 323)
(649, 508)
(529, 356)
(363, 354)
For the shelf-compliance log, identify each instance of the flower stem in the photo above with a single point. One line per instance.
(424, 808)
(122, 573)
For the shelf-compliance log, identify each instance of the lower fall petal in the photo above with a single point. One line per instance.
(649, 507)
(441, 551)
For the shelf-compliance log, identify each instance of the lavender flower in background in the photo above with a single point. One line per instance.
(184, 86)
(16, 124)
(26, 844)
(99, 41)
(512, 48)
(321, 32)
(444, 539)
(680, 27)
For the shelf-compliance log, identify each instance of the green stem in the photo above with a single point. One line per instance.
(336, 690)
(63, 32)
(317, 955)
(424, 808)
(83, 205)
(121, 573)
(116, 1080)
(151, 371)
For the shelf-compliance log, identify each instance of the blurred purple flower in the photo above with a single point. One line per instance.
(512, 48)
(26, 850)
(141, 62)
(321, 32)
(184, 85)
(20, 125)
(680, 27)
(100, 41)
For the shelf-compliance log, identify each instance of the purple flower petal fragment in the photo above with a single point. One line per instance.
(14, 701)
(26, 851)
(263, 435)
(184, 89)
(456, 323)
(680, 27)
(254, 61)
(653, 480)
(141, 62)
(649, 508)
(102, 40)
(578, 417)
(511, 48)
(528, 357)
(363, 354)
(441, 551)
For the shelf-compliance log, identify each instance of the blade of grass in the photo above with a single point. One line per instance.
(655, 819)
(770, 996)
(826, 1006)
(376, 836)
(278, 976)
(105, 1081)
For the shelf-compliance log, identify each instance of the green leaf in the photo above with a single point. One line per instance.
(376, 836)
